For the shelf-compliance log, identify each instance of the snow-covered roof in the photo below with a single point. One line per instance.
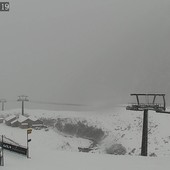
(22, 118)
(10, 117)
(16, 120)
(33, 118)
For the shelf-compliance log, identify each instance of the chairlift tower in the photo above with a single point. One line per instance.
(3, 101)
(23, 98)
(158, 107)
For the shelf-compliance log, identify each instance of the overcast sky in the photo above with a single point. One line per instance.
(84, 51)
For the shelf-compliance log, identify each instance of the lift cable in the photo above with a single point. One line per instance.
(56, 103)
(50, 103)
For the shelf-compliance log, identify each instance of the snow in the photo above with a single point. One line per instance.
(10, 117)
(14, 121)
(71, 160)
(22, 118)
(50, 149)
(32, 118)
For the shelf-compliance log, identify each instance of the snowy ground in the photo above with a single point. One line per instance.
(49, 149)
(50, 159)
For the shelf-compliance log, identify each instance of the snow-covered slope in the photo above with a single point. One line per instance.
(50, 159)
(49, 148)
(119, 125)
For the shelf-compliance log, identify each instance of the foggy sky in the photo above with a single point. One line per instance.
(84, 51)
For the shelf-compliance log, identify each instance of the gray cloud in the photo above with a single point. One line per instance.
(89, 52)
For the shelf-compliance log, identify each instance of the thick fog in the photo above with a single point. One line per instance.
(91, 52)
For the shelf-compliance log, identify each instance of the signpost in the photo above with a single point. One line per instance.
(1, 154)
(29, 131)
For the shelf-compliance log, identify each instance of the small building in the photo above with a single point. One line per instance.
(15, 123)
(9, 119)
(23, 122)
(1, 120)
(34, 122)
(24, 126)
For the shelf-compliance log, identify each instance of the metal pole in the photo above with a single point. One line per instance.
(3, 101)
(27, 147)
(137, 98)
(2, 106)
(22, 107)
(2, 159)
(164, 102)
(144, 147)
(154, 99)
(22, 98)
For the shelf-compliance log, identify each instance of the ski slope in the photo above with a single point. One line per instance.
(49, 149)
(63, 160)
